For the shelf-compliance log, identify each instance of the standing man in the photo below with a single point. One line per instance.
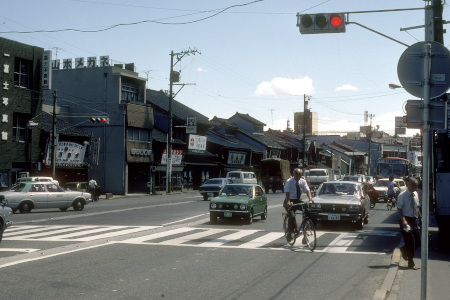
(407, 207)
(93, 189)
(293, 188)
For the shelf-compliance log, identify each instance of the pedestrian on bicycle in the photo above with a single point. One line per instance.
(407, 207)
(293, 188)
(391, 193)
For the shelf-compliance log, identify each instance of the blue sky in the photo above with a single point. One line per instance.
(253, 58)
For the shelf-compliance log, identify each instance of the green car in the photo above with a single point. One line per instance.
(239, 201)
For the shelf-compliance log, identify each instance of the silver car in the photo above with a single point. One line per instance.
(341, 201)
(25, 196)
(212, 187)
(5, 216)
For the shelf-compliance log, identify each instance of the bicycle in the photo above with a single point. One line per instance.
(390, 202)
(306, 228)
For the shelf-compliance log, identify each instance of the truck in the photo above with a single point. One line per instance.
(274, 173)
(316, 177)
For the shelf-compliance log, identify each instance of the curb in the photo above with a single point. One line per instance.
(380, 294)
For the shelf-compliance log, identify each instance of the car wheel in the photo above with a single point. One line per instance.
(63, 209)
(78, 205)
(205, 197)
(250, 218)
(25, 207)
(359, 225)
(264, 215)
(212, 219)
(274, 190)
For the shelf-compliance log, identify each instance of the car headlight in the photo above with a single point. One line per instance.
(243, 207)
(213, 205)
(316, 205)
(236, 206)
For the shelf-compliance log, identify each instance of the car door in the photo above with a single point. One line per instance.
(37, 193)
(57, 198)
(259, 200)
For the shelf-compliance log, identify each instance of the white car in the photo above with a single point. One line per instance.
(381, 187)
(25, 196)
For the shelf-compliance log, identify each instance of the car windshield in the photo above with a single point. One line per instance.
(381, 183)
(233, 190)
(338, 189)
(213, 181)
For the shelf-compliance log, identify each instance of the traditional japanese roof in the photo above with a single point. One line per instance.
(228, 141)
(246, 117)
(179, 110)
(45, 121)
(161, 137)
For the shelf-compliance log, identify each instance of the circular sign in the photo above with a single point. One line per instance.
(411, 74)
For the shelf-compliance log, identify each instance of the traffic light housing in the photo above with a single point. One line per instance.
(100, 120)
(321, 23)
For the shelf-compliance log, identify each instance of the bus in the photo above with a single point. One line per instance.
(394, 166)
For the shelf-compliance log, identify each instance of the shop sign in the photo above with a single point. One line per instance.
(176, 157)
(197, 144)
(140, 152)
(236, 158)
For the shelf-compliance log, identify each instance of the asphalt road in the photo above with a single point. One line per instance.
(152, 247)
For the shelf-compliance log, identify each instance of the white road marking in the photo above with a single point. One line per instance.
(27, 250)
(179, 221)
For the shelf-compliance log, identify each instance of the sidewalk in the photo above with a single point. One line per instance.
(407, 283)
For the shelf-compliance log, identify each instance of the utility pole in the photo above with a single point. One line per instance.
(53, 161)
(370, 144)
(174, 77)
(305, 116)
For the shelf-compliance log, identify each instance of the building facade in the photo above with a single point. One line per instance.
(120, 151)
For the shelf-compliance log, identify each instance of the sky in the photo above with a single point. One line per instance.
(250, 56)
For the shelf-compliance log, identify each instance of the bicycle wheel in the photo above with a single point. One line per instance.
(389, 205)
(309, 233)
(290, 237)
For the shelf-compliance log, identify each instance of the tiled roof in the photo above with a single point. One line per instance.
(160, 136)
(263, 139)
(179, 110)
(248, 118)
(45, 121)
(228, 141)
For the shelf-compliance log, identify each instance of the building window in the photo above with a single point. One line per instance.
(139, 134)
(20, 129)
(130, 93)
(22, 72)
(258, 129)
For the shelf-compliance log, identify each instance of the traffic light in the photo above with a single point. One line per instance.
(100, 120)
(321, 23)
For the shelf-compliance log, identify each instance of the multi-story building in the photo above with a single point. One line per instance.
(20, 101)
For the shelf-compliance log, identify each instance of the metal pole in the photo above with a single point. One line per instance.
(305, 105)
(53, 161)
(169, 134)
(426, 168)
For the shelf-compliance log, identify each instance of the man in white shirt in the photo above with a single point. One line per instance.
(407, 207)
(293, 189)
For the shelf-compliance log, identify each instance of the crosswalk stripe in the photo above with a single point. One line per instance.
(153, 236)
(228, 238)
(52, 232)
(341, 243)
(261, 241)
(190, 237)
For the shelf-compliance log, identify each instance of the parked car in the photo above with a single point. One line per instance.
(25, 196)
(80, 186)
(381, 187)
(239, 201)
(341, 201)
(212, 187)
(37, 178)
(5, 216)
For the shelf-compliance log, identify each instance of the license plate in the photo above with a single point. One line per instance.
(227, 215)
(334, 217)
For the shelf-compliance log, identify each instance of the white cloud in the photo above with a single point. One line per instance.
(285, 86)
(200, 69)
(346, 87)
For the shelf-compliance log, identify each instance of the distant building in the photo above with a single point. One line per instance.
(312, 123)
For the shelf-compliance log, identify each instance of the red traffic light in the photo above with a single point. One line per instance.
(336, 20)
(100, 120)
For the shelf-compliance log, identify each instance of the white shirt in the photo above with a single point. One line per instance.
(406, 204)
(92, 183)
(290, 187)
